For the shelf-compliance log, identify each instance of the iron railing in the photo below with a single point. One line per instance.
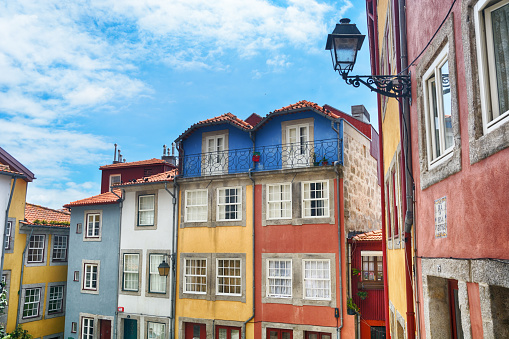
(264, 158)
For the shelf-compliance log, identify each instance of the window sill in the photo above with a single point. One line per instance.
(370, 285)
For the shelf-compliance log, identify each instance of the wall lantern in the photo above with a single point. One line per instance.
(344, 43)
(164, 268)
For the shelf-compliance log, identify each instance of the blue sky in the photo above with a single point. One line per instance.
(78, 76)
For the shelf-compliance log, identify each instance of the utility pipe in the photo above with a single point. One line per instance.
(21, 278)
(173, 255)
(176, 190)
(120, 207)
(13, 227)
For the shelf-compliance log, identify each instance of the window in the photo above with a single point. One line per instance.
(93, 225)
(146, 210)
(156, 330)
(388, 208)
(315, 199)
(372, 269)
(216, 155)
(317, 284)
(492, 31)
(131, 272)
(115, 179)
(227, 332)
(276, 333)
(78, 228)
(317, 335)
(395, 204)
(438, 108)
(195, 276)
(31, 302)
(90, 276)
(59, 248)
(228, 278)
(8, 231)
(229, 204)
(196, 206)
(56, 299)
(279, 201)
(279, 278)
(74, 327)
(297, 148)
(157, 283)
(87, 328)
(76, 276)
(36, 248)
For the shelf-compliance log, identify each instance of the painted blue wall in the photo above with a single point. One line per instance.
(106, 250)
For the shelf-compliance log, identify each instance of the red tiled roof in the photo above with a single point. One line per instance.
(105, 198)
(303, 104)
(36, 212)
(153, 161)
(369, 236)
(160, 177)
(6, 170)
(225, 118)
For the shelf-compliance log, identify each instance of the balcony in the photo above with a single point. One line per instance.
(264, 158)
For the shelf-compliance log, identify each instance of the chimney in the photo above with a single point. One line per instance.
(360, 112)
(115, 155)
(171, 159)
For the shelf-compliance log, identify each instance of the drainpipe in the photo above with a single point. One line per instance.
(13, 227)
(338, 211)
(120, 207)
(409, 213)
(21, 278)
(173, 254)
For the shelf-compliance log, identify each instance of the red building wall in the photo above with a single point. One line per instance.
(130, 173)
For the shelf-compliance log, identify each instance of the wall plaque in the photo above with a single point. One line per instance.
(441, 218)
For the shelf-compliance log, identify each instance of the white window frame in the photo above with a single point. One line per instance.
(60, 248)
(219, 277)
(196, 206)
(136, 272)
(187, 276)
(7, 237)
(486, 63)
(115, 176)
(88, 283)
(434, 69)
(154, 273)
(153, 209)
(298, 153)
(221, 207)
(37, 302)
(158, 324)
(272, 204)
(40, 248)
(219, 165)
(56, 297)
(90, 323)
(304, 279)
(272, 279)
(94, 226)
(325, 199)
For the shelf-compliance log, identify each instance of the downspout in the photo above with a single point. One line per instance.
(409, 213)
(339, 162)
(176, 190)
(13, 227)
(120, 206)
(252, 136)
(21, 278)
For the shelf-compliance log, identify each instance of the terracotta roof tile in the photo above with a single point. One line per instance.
(226, 118)
(6, 170)
(153, 161)
(160, 177)
(369, 236)
(303, 104)
(105, 198)
(51, 216)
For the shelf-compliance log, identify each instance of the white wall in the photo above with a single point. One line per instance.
(5, 192)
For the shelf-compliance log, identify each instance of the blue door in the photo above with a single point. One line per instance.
(130, 329)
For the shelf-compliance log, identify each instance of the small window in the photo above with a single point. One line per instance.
(56, 299)
(78, 228)
(372, 269)
(279, 278)
(156, 330)
(157, 283)
(315, 199)
(438, 108)
(90, 277)
(279, 201)
(229, 279)
(74, 327)
(196, 206)
(277, 333)
(115, 179)
(131, 272)
(227, 332)
(36, 248)
(76, 276)
(8, 231)
(195, 276)
(31, 303)
(317, 335)
(60, 248)
(146, 210)
(93, 225)
(317, 281)
(87, 328)
(229, 204)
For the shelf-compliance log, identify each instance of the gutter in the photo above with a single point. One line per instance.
(338, 211)
(21, 278)
(13, 229)
(120, 205)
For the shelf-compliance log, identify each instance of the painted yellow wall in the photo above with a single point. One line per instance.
(31, 275)
(230, 239)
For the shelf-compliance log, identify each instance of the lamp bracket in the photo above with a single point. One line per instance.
(394, 86)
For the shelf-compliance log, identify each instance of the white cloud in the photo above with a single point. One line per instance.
(56, 197)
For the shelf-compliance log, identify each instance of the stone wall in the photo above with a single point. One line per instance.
(361, 189)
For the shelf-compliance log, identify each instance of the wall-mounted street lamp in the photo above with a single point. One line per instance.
(344, 43)
(164, 268)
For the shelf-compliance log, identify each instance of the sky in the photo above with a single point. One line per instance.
(78, 76)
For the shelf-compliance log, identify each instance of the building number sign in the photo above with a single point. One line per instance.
(441, 218)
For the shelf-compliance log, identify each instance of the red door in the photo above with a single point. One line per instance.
(195, 331)
(105, 329)
(277, 333)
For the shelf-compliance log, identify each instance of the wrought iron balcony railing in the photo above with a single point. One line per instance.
(264, 158)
